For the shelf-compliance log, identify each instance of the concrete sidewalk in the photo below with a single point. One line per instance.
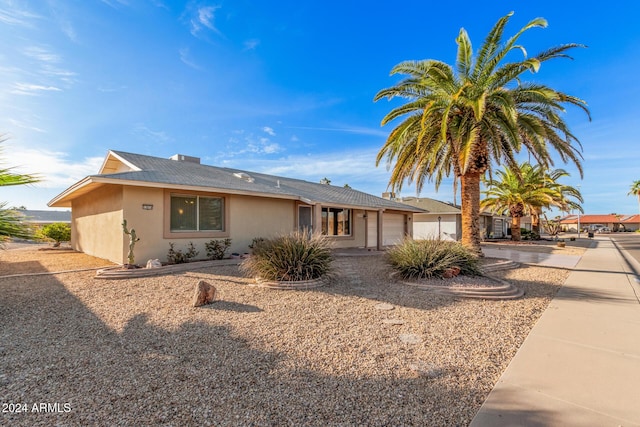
(580, 364)
(547, 260)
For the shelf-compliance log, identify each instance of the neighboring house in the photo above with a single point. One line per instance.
(180, 200)
(444, 220)
(42, 217)
(615, 222)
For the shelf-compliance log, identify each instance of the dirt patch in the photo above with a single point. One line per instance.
(44, 258)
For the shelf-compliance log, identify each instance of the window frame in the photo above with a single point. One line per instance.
(171, 234)
(327, 210)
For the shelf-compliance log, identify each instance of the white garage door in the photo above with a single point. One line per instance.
(392, 229)
(372, 229)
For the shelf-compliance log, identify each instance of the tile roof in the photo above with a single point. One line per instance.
(177, 173)
(600, 219)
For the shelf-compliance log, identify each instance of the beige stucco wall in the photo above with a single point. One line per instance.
(147, 223)
(95, 223)
(251, 217)
(97, 219)
(247, 218)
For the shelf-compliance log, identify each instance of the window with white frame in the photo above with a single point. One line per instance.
(336, 222)
(191, 213)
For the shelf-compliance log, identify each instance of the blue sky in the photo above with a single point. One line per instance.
(283, 87)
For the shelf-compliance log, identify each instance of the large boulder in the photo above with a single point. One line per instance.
(205, 294)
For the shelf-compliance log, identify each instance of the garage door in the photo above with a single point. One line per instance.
(372, 229)
(392, 229)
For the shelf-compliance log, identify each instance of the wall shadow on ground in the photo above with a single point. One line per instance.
(55, 349)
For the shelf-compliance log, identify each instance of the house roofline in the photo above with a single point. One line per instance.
(105, 179)
(110, 154)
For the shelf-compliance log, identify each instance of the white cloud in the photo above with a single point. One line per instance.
(41, 54)
(55, 168)
(204, 17)
(268, 130)
(32, 89)
(351, 129)
(115, 3)
(26, 126)
(47, 64)
(245, 143)
(271, 148)
(14, 16)
(251, 44)
(185, 57)
(144, 132)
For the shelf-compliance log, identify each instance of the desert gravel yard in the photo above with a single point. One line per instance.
(135, 352)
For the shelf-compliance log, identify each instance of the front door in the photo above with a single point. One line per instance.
(305, 218)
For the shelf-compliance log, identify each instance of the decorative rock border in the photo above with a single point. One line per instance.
(503, 291)
(501, 264)
(291, 285)
(125, 273)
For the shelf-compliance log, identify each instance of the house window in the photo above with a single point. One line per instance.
(196, 213)
(305, 218)
(336, 222)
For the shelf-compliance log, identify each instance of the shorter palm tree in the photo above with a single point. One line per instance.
(11, 221)
(514, 193)
(565, 197)
(527, 191)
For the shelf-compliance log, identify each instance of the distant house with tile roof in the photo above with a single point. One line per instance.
(444, 220)
(180, 200)
(615, 222)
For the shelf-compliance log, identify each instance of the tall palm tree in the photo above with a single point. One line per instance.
(11, 224)
(458, 120)
(635, 190)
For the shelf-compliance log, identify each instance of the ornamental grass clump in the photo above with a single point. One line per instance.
(421, 259)
(293, 257)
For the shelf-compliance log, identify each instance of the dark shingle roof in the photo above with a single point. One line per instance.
(173, 172)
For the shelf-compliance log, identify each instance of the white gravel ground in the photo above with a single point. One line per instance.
(134, 352)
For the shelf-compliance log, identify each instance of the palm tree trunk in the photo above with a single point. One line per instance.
(516, 236)
(535, 222)
(470, 204)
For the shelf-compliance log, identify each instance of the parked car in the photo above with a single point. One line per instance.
(603, 230)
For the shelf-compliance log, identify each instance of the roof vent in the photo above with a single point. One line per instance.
(183, 158)
(243, 176)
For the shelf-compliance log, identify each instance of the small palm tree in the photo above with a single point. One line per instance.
(517, 193)
(11, 221)
(527, 191)
(635, 191)
(565, 197)
(459, 120)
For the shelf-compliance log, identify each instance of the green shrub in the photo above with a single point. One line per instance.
(292, 257)
(179, 257)
(58, 232)
(217, 248)
(529, 234)
(256, 242)
(417, 259)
